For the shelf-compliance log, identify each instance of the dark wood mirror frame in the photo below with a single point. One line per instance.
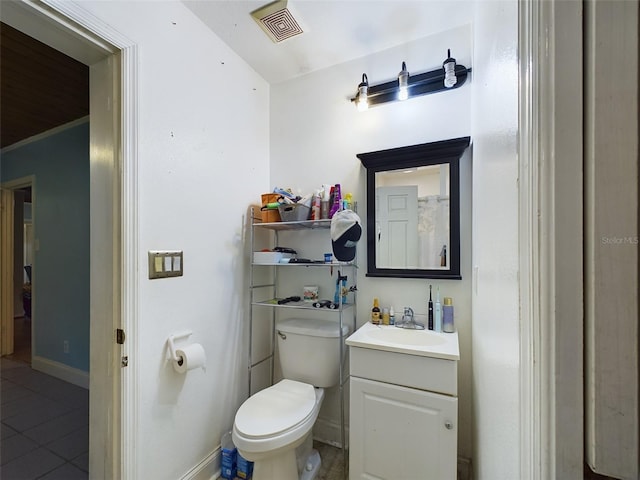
(434, 153)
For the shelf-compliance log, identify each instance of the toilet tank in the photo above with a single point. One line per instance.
(309, 350)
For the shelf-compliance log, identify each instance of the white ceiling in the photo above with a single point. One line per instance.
(335, 31)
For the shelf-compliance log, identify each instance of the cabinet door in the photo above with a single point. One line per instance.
(401, 433)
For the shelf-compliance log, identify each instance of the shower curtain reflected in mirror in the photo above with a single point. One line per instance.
(433, 231)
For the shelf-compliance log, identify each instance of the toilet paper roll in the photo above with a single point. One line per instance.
(189, 357)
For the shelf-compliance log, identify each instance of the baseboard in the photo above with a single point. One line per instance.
(207, 469)
(327, 431)
(60, 370)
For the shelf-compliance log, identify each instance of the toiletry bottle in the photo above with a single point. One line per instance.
(447, 315)
(331, 199)
(437, 313)
(315, 209)
(385, 316)
(325, 194)
(430, 316)
(392, 316)
(348, 201)
(337, 200)
(375, 312)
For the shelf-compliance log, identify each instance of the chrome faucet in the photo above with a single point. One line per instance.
(408, 320)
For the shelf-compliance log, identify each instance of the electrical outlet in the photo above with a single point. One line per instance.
(65, 346)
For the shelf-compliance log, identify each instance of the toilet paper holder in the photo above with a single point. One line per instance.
(172, 348)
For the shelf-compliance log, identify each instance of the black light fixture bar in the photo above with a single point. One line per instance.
(420, 84)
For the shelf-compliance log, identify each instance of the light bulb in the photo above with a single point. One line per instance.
(449, 66)
(403, 83)
(362, 102)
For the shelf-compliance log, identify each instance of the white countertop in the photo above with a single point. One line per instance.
(425, 343)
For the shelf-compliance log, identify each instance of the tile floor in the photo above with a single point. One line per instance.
(45, 433)
(44, 425)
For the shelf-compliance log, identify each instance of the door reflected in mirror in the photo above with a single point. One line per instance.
(413, 210)
(412, 218)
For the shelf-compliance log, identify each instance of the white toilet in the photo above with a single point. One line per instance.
(272, 428)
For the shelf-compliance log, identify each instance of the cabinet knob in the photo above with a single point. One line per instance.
(448, 424)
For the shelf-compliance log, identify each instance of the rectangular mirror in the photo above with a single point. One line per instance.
(413, 210)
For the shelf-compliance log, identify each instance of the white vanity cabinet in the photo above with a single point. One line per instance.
(403, 411)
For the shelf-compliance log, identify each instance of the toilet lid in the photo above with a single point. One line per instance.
(275, 409)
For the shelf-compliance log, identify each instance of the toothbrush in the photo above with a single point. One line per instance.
(430, 310)
(438, 312)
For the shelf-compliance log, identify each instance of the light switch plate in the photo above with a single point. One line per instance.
(165, 263)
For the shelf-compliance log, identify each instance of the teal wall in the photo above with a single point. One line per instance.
(60, 165)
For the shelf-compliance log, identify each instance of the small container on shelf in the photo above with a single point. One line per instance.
(268, 258)
(294, 212)
(268, 213)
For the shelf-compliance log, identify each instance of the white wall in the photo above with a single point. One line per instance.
(316, 133)
(203, 151)
(495, 296)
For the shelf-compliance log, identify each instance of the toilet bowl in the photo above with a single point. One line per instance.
(271, 424)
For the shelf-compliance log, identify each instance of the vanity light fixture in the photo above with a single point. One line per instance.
(450, 76)
(362, 97)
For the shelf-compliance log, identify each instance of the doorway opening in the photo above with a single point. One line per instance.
(23, 254)
(78, 34)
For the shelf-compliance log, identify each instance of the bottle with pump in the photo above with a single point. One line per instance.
(447, 315)
(437, 312)
(430, 317)
(375, 312)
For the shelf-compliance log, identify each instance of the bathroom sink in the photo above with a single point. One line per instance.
(425, 343)
(406, 337)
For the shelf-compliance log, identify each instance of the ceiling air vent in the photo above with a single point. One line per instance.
(277, 21)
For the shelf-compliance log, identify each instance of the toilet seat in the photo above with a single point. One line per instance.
(276, 409)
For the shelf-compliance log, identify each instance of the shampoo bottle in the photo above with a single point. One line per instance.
(437, 312)
(447, 315)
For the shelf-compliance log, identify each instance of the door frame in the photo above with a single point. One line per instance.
(7, 235)
(68, 27)
(550, 139)
(6, 275)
